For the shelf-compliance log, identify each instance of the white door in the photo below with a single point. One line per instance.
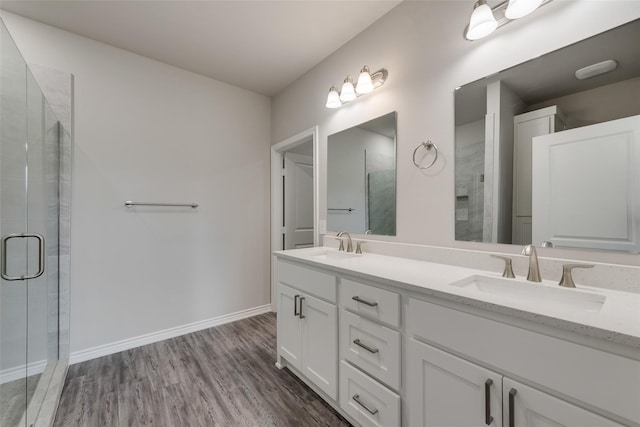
(444, 390)
(527, 407)
(319, 344)
(298, 201)
(289, 325)
(586, 186)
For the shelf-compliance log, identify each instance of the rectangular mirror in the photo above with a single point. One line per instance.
(361, 178)
(545, 157)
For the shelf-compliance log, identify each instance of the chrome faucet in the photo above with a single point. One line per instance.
(349, 243)
(534, 271)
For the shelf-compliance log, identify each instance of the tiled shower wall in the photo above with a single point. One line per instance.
(470, 203)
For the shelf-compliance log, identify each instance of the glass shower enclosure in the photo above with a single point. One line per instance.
(29, 228)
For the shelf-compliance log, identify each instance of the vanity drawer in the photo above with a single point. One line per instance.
(583, 373)
(371, 302)
(371, 347)
(307, 280)
(368, 402)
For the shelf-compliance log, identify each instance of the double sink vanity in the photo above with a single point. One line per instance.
(391, 341)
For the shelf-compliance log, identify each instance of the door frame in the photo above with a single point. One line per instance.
(277, 155)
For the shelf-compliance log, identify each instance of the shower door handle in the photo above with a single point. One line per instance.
(8, 237)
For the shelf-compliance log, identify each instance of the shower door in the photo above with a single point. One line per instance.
(29, 240)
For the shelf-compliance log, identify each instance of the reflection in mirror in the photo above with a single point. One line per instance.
(361, 178)
(542, 155)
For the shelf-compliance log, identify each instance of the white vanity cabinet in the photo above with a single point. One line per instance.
(384, 354)
(526, 406)
(370, 353)
(307, 324)
(445, 389)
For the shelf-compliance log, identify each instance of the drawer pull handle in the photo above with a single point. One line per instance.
(512, 409)
(366, 347)
(300, 313)
(295, 306)
(356, 397)
(365, 302)
(488, 419)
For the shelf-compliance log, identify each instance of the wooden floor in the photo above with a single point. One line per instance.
(223, 376)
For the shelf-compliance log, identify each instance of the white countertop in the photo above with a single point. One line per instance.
(617, 321)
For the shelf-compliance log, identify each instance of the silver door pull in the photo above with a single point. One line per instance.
(5, 239)
(365, 302)
(373, 411)
(302, 316)
(366, 347)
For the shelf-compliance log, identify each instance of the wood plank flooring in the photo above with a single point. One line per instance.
(223, 376)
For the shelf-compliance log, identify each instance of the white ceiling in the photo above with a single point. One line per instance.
(261, 45)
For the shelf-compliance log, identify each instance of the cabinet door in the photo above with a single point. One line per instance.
(289, 325)
(320, 344)
(444, 390)
(528, 407)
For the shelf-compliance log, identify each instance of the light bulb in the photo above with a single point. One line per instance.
(347, 93)
(482, 22)
(333, 99)
(519, 8)
(365, 85)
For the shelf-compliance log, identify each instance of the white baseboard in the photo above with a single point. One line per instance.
(129, 343)
(19, 372)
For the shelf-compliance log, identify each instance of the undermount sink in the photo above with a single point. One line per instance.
(540, 294)
(332, 254)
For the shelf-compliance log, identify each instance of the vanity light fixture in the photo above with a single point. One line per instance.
(519, 8)
(482, 22)
(333, 99)
(365, 85)
(485, 19)
(367, 82)
(348, 92)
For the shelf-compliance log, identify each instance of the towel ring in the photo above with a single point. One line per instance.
(428, 145)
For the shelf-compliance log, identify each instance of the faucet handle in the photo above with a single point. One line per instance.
(358, 246)
(508, 266)
(567, 280)
(341, 247)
